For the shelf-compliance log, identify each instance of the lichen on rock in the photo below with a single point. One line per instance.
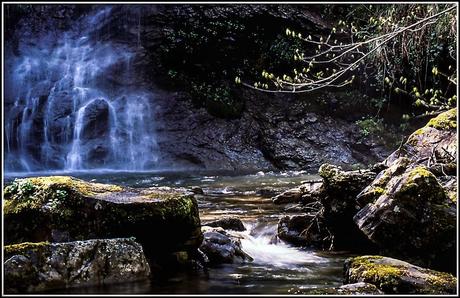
(393, 276)
(37, 209)
(444, 121)
(32, 267)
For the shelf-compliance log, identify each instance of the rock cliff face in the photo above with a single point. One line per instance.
(50, 120)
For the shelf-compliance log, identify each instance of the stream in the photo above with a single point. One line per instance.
(277, 266)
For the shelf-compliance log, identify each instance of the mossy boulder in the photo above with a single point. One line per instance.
(393, 276)
(412, 218)
(377, 187)
(444, 121)
(34, 267)
(61, 208)
(409, 209)
(433, 144)
(338, 198)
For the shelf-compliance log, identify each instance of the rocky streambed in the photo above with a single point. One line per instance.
(386, 229)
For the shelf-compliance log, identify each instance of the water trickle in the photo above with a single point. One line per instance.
(75, 106)
(259, 241)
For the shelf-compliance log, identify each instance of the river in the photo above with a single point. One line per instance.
(277, 266)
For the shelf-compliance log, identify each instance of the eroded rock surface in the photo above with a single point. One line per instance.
(32, 267)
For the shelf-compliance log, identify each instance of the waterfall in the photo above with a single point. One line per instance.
(75, 106)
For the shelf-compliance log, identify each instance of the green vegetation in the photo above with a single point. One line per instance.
(405, 54)
(371, 126)
(213, 50)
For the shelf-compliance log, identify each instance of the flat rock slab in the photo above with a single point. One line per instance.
(62, 208)
(33, 267)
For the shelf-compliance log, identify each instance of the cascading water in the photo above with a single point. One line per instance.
(75, 106)
(276, 268)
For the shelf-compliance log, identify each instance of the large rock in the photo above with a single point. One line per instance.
(338, 197)
(397, 277)
(220, 246)
(305, 230)
(435, 143)
(410, 208)
(32, 267)
(329, 206)
(63, 208)
(305, 193)
(412, 217)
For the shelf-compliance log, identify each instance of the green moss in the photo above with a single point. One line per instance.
(66, 182)
(444, 121)
(327, 171)
(383, 276)
(378, 191)
(34, 193)
(419, 131)
(452, 196)
(421, 183)
(420, 172)
(24, 247)
(440, 280)
(392, 278)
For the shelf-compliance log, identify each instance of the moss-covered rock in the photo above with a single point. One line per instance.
(32, 267)
(63, 208)
(444, 121)
(338, 198)
(435, 143)
(409, 209)
(397, 277)
(377, 187)
(412, 218)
